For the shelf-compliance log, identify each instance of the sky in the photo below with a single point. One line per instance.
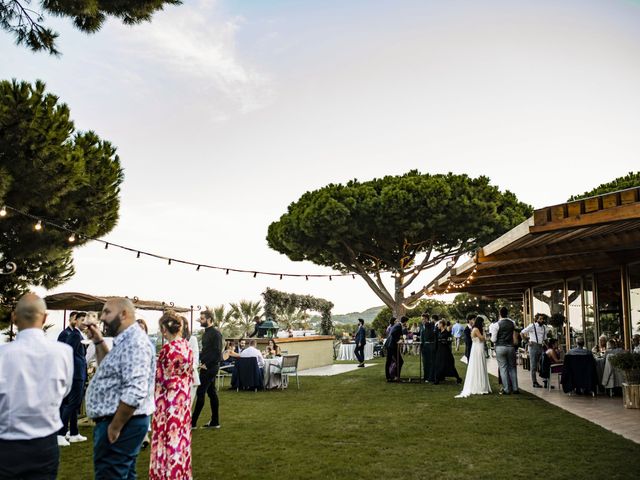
(225, 112)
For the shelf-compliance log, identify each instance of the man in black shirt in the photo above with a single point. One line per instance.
(428, 348)
(210, 357)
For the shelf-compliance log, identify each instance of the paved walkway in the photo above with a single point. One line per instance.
(602, 410)
(330, 370)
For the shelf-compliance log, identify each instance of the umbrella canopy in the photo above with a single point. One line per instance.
(91, 303)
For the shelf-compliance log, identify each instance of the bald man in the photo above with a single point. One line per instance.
(120, 397)
(36, 373)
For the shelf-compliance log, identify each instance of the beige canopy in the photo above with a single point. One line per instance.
(85, 302)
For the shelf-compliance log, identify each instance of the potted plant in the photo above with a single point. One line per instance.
(629, 363)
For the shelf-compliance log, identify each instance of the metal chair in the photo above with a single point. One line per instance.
(289, 367)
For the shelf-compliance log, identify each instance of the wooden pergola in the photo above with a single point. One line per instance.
(556, 243)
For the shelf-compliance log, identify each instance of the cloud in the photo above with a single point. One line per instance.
(197, 41)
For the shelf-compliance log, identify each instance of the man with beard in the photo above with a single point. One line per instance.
(210, 357)
(120, 397)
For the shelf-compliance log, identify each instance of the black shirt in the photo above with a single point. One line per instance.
(211, 347)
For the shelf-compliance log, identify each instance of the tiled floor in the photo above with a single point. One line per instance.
(602, 410)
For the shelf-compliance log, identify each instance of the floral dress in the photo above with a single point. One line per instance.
(171, 438)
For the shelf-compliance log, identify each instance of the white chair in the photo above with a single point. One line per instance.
(288, 367)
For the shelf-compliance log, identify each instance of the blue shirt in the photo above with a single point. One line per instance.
(126, 374)
(457, 330)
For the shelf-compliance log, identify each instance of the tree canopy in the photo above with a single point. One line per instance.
(275, 300)
(632, 179)
(51, 172)
(27, 25)
(401, 225)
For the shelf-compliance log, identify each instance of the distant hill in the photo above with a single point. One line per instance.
(351, 318)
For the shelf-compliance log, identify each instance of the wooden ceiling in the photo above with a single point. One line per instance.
(560, 241)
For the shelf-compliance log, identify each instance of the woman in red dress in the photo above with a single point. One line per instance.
(171, 439)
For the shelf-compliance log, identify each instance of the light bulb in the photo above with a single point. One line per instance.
(72, 238)
(38, 226)
(3, 212)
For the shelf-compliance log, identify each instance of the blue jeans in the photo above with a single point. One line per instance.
(506, 357)
(117, 461)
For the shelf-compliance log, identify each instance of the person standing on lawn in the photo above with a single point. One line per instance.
(210, 358)
(504, 337)
(428, 348)
(456, 332)
(393, 364)
(72, 402)
(120, 397)
(37, 373)
(360, 340)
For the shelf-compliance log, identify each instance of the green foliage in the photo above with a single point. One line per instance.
(223, 320)
(430, 305)
(50, 171)
(626, 361)
(244, 313)
(464, 304)
(384, 224)
(275, 300)
(632, 179)
(29, 30)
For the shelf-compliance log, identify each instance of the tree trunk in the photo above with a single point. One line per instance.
(398, 307)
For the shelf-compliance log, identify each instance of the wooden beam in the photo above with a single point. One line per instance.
(614, 214)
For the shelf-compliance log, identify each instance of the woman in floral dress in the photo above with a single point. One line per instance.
(171, 439)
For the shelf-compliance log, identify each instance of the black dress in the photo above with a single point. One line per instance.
(445, 365)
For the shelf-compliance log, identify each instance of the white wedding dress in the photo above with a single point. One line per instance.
(476, 382)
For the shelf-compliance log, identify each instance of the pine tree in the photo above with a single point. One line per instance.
(51, 172)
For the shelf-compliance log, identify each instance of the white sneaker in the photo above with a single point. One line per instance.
(77, 438)
(62, 442)
(67, 435)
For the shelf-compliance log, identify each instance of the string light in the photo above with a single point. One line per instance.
(3, 211)
(198, 268)
(38, 226)
(255, 274)
(106, 245)
(138, 255)
(72, 238)
(169, 262)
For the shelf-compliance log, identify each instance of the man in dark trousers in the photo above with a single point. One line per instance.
(467, 335)
(210, 357)
(72, 402)
(394, 358)
(427, 347)
(360, 342)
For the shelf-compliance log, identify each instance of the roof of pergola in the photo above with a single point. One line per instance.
(92, 303)
(560, 241)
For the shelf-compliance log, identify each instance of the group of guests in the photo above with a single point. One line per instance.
(44, 380)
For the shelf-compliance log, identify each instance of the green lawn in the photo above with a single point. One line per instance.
(358, 426)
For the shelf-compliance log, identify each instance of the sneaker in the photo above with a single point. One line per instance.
(77, 438)
(194, 427)
(67, 435)
(62, 442)
(208, 425)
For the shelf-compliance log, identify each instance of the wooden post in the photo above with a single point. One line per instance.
(631, 395)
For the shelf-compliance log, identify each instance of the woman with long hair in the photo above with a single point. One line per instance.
(195, 349)
(171, 438)
(476, 382)
(444, 364)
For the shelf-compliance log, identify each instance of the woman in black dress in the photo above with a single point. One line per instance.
(445, 364)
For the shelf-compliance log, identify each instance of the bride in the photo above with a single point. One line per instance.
(476, 382)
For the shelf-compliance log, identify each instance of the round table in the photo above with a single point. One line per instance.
(347, 349)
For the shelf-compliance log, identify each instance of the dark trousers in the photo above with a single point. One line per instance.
(70, 408)
(34, 459)
(359, 353)
(117, 461)
(428, 361)
(207, 386)
(393, 356)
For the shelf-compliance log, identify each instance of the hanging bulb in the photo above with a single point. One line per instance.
(138, 255)
(280, 277)
(169, 262)
(3, 211)
(198, 268)
(38, 226)
(227, 271)
(106, 245)
(72, 238)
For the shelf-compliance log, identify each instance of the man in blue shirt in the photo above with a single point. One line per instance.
(456, 331)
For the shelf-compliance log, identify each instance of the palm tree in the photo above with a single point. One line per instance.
(244, 313)
(291, 317)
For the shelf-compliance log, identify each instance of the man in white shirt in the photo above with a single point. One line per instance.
(252, 351)
(35, 375)
(537, 333)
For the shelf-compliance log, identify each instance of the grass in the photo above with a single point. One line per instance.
(356, 425)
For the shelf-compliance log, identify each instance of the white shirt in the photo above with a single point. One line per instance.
(195, 348)
(35, 375)
(494, 327)
(537, 333)
(253, 352)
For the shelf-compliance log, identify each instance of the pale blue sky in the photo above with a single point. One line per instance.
(225, 112)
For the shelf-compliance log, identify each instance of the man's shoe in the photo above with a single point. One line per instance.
(67, 435)
(537, 385)
(62, 442)
(516, 392)
(208, 425)
(361, 365)
(77, 438)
